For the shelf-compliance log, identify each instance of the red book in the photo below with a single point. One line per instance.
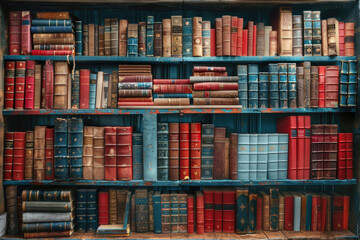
(338, 213)
(26, 33)
(20, 84)
(341, 39)
(250, 46)
(259, 211)
(317, 151)
(322, 86)
(30, 84)
(190, 213)
(341, 163)
(212, 43)
(209, 209)
(184, 151)
(307, 146)
(199, 213)
(84, 88)
(323, 213)
(43, 80)
(15, 33)
(215, 86)
(239, 50)
(49, 153)
(234, 35)
(229, 211)
(52, 52)
(226, 35)
(8, 155)
(171, 81)
(49, 84)
(172, 88)
(233, 152)
(135, 99)
(208, 69)
(110, 153)
(135, 103)
(254, 41)
(349, 38)
(349, 156)
(195, 152)
(174, 151)
(332, 86)
(346, 212)
(244, 42)
(124, 153)
(19, 156)
(136, 78)
(289, 211)
(219, 153)
(218, 212)
(103, 208)
(289, 125)
(9, 85)
(300, 147)
(314, 212)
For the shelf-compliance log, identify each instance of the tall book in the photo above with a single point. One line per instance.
(141, 39)
(8, 155)
(300, 87)
(75, 145)
(15, 24)
(163, 151)
(260, 39)
(274, 209)
(150, 147)
(307, 83)
(190, 213)
(114, 37)
(150, 36)
(234, 35)
(253, 84)
(206, 29)
(219, 153)
(308, 48)
(242, 215)
(176, 36)
(158, 39)
(49, 154)
(226, 35)
(219, 36)
(157, 212)
(207, 151)
(137, 156)
(316, 33)
(88, 153)
(75, 90)
(292, 82)
(99, 88)
(262, 156)
(174, 212)
(92, 90)
(263, 90)
(167, 39)
(208, 209)
(103, 207)
(84, 88)
(195, 151)
(61, 161)
(284, 29)
(243, 159)
(123, 25)
(184, 151)
(29, 85)
(314, 87)
(229, 211)
(19, 156)
(142, 210)
(60, 85)
(297, 36)
(273, 43)
(250, 38)
(352, 84)
(78, 38)
(341, 38)
(174, 151)
(85, 38)
(91, 210)
(20, 74)
(253, 156)
(39, 153)
(98, 153)
(274, 96)
(240, 30)
(29, 155)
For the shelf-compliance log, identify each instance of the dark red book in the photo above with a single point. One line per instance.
(323, 212)
(341, 39)
(209, 209)
(200, 213)
(174, 151)
(103, 208)
(195, 151)
(8, 155)
(219, 153)
(9, 87)
(226, 35)
(215, 86)
(172, 88)
(26, 33)
(233, 155)
(300, 147)
(245, 42)
(341, 163)
(190, 213)
(15, 33)
(43, 80)
(322, 86)
(184, 151)
(239, 50)
(349, 156)
(212, 43)
(234, 35)
(250, 46)
(337, 212)
(19, 156)
(317, 151)
(229, 211)
(124, 153)
(49, 84)
(134, 99)
(259, 212)
(209, 69)
(30, 84)
(332, 86)
(84, 88)
(171, 81)
(349, 38)
(330, 150)
(254, 41)
(346, 212)
(289, 211)
(20, 84)
(52, 52)
(49, 153)
(110, 153)
(307, 147)
(314, 212)
(136, 78)
(135, 103)
(289, 125)
(218, 211)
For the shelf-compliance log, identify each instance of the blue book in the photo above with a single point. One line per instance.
(132, 40)
(253, 72)
(137, 141)
(163, 151)
(150, 36)
(308, 211)
(157, 212)
(352, 85)
(91, 211)
(78, 38)
(47, 227)
(273, 157)
(81, 199)
(263, 89)
(142, 209)
(297, 211)
(92, 93)
(135, 85)
(262, 156)
(51, 29)
(252, 212)
(243, 169)
(283, 85)
(242, 219)
(316, 33)
(51, 22)
(173, 95)
(207, 151)
(150, 147)
(182, 212)
(253, 156)
(283, 155)
(61, 161)
(187, 37)
(174, 212)
(243, 85)
(273, 85)
(274, 209)
(307, 33)
(344, 77)
(165, 213)
(75, 90)
(291, 71)
(75, 145)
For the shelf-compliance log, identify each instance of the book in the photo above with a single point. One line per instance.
(206, 36)
(187, 37)
(53, 15)
(226, 35)
(60, 85)
(92, 90)
(44, 206)
(219, 36)
(19, 96)
(333, 36)
(260, 39)
(284, 29)
(78, 34)
(91, 211)
(141, 39)
(314, 87)
(142, 210)
(85, 38)
(114, 37)
(8, 155)
(200, 213)
(174, 212)
(34, 217)
(219, 153)
(229, 212)
(75, 145)
(208, 210)
(99, 88)
(250, 38)
(297, 36)
(84, 88)
(15, 24)
(233, 156)
(253, 156)
(341, 38)
(242, 208)
(113, 210)
(292, 83)
(49, 153)
(61, 161)
(123, 25)
(39, 153)
(283, 85)
(240, 30)
(274, 96)
(176, 36)
(243, 85)
(9, 85)
(316, 33)
(207, 151)
(308, 41)
(29, 154)
(158, 39)
(50, 226)
(137, 156)
(150, 147)
(107, 36)
(190, 213)
(195, 151)
(150, 36)
(331, 92)
(25, 32)
(157, 212)
(243, 159)
(110, 153)
(234, 35)
(273, 46)
(167, 39)
(174, 150)
(184, 161)
(349, 39)
(103, 207)
(263, 90)
(253, 84)
(29, 85)
(19, 156)
(163, 151)
(165, 213)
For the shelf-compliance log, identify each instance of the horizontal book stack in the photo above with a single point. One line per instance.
(212, 86)
(47, 213)
(172, 92)
(86, 210)
(136, 78)
(348, 84)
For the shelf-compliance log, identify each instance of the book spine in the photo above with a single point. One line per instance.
(207, 151)
(60, 85)
(283, 150)
(184, 151)
(200, 213)
(208, 210)
(195, 152)
(352, 85)
(252, 212)
(274, 209)
(250, 45)
(229, 211)
(182, 212)
(80, 210)
(39, 153)
(165, 213)
(285, 31)
(25, 33)
(33, 217)
(88, 153)
(150, 147)
(113, 210)
(114, 90)
(349, 38)
(234, 35)
(92, 90)
(174, 151)
(297, 35)
(157, 212)
(292, 82)
(262, 156)
(110, 153)
(61, 161)
(29, 155)
(240, 37)
(167, 39)
(99, 88)
(158, 39)
(85, 38)
(8, 155)
(281, 211)
(163, 148)
(274, 86)
(187, 37)
(75, 90)
(75, 145)
(29, 84)
(273, 43)
(19, 156)
(260, 39)
(219, 153)
(137, 85)
(226, 35)
(137, 156)
(78, 38)
(20, 74)
(91, 210)
(142, 39)
(314, 87)
(233, 156)
(114, 37)
(101, 47)
(44, 227)
(253, 84)
(49, 154)
(316, 33)
(150, 36)
(331, 93)
(206, 38)
(123, 25)
(107, 36)
(263, 90)
(176, 36)
(242, 219)
(243, 159)
(51, 29)
(142, 210)
(333, 36)
(341, 38)
(307, 83)
(9, 87)
(103, 208)
(190, 213)
(219, 36)
(15, 32)
(283, 85)
(243, 85)
(42, 206)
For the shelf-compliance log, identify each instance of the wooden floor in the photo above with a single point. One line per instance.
(339, 235)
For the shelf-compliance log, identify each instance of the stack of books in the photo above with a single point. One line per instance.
(172, 92)
(47, 213)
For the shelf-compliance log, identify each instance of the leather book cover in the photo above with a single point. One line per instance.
(314, 87)
(250, 45)
(346, 212)
(51, 52)
(91, 39)
(103, 207)
(281, 211)
(133, 39)
(174, 151)
(289, 211)
(19, 156)
(321, 86)
(341, 39)
(337, 212)
(259, 211)
(15, 24)
(349, 156)
(300, 87)
(195, 151)
(307, 81)
(197, 37)
(284, 28)
(182, 200)
(207, 151)
(165, 213)
(101, 47)
(229, 211)
(142, 39)
(331, 86)
(142, 210)
(266, 211)
(53, 15)
(300, 147)
(123, 24)
(213, 43)
(190, 213)
(61, 151)
(114, 90)
(234, 35)
(273, 49)
(53, 38)
(215, 94)
(242, 208)
(307, 147)
(84, 88)
(29, 154)
(150, 36)
(200, 213)
(98, 153)
(150, 147)
(107, 36)
(113, 206)
(323, 206)
(121, 195)
(274, 209)
(219, 153)
(172, 88)
(138, 165)
(219, 36)
(297, 35)
(208, 209)
(12, 211)
(134, 78)
(88, 153)
(9, 88)
(174, 212)
(227, 158)
(315, 212)
(162, 151)
(226, 35)
(60, 85)
(39, 153)
(252, 212)
(43, 79)
(317, 151)
(176, 36)
(49, 153)
(316, 33)
(215, 101)
(349, 38)
(324, 37)
(167, 37)
(158, 39)
(341, 163)
(110, 153)
(114, 37)
(37, 86)
(260, 39)
(171, 101)
(206, 37)
(157, 212)
(233, 156)
(254, 40)
(199, 79)
(239, 48)
(26, 33)
(49, 84)
(29, 84)
(333, 36)
(184, 151)
(211, 86)
(330, 150)
(85, 40)
(19, 96)
(75, 145)
(218, 210)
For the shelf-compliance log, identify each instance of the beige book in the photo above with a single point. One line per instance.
(99, 88)
(39, 153)
(99, 153)
(88, 144)
(60, 85)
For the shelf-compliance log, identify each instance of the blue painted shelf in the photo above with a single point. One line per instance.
(172, 110)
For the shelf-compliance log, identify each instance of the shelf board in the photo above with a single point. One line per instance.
(173, 60)
(192, 109)
(140, 183)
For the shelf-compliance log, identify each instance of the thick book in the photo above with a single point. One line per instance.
(15, 24)
(39, 153)
(29, 154)
(243, 158)
(19, 156)
(284, 29)
(226, 35)
(172, 88)
(167, 38)
(262, 156)
(219, 153)
(165, 213)
(265, 219)
(242, 208)
(110, 153)
(195, 151)
(174, 151)
(207, 151)
(158, 39)
(331, 83)
(75, 145)
(49, 226)
(54, 38)
(49, 153)
(176, 36)
(150, 147)
(252, 212)
(208, 209)
(170, 101)
(29, 85)
(60, 85)
(163, 151)
(215, 101)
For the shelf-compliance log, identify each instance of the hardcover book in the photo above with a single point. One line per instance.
(163, 151)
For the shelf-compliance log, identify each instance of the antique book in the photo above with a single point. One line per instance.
(103, 207)
(281, 211)
(300, 87)
(15, 24)
(104, 90)
(240, 46)
(29, 154)
(253, 84)
(163, 151)
(283, 85)
(259, 211)
(39, 153)
(283, 155)
(84, 88)
(91, 39)
(233, 156)
(92, 90)
(114, 37)
(266, 211)
(78, 36)
(190, 213)
(49, 153)
(197, 37)
(307, 83)
(141, 39)
(53, 15)
(165, 213)
(263, 89)
(107, 36)
(157, 212)
(243, 159)
(273, 46)
(341, 38)
(314, 87)
(243, 85)
(12, 212)
(234, 35)
(61, 155)
(260, 39)
(172, 88)
(226, 35)
(292, 82)
(150, 36)
(60, 85)
(33, 217)
(308, 40)
(284, 29)
(121, 196)
(142, 210)
(101, 40)
(274, 93)
(171, 101)
(207, 151)
(174, 151)
(158, 39)
(206, 44)
(150, 147)
(333, 36)
(96, 169)
(195, 151)
(9, 85)
(200, 213)
(29, 98)
(210, 86)
(123, 24)
(75, 145)
(44, 206)
(167, 39)
(85, 38)
(182, 197)
(54, 38)
(219, 153)
(349, 38)
(137, 140)
(174, 212)
(316, 33)
(176, 36)
(80, 217)
(208, 210)
(331, 92)
(262, 156)
(88, 153)
(19, 156)
(187, 37)
(184, 156)
(242, 208)
(114, 90)
(110, 162)
(113, 206)
(250, 45)
(297, 35)
(19, 96)
(91, 210)
(229, 210)
(99, 88)
(219, 36)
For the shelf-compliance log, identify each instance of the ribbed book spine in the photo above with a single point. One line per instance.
(29, 155)
(184, 151)
(165, 213)
(274, 96)
(124, 153)
(183, 212)
(243, 85)
(273, 157)
(167, 38)
(174, 151)
(187, 37)
(81, 198)
(352, 85)
(344, 77)
(142, 39)
(274, 209)
(253, 156)
(20, 84)
(142, 210)
(132, 40)
(114, 37)
(138, 156)
(30, 84)
(283, 85)
(92, 90)
(91, 210)
(253, 73)
(314, 87)
(207, 151)
(39, 153)
(158, 39)
(88, 153)
(242, 208)
(26, 33)
(297, 35)
(174, 212)
(262, 158)
(9, 88)
(150, 147)
(163, 151)
(75, 145)
(176, 36)
(101, 41)
(157, 212)
(61, 164)
(292, 92)
(307, 33)
(15, 23)
(49, 154)
(150, 36)
(75, 90)
(107, 35)
(316, 33)
(85, 38)
(78, 38)
(263, 90)
(8, 155)
(195, 151)
(206, 28)
(243, 172)
(19, 156)
(283, 148)
(209, 210)
(60, 85)
(123, 25)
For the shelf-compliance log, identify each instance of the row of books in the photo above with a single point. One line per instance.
(298, 35)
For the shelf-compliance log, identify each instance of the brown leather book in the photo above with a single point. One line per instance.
(266, 211)
(219, 153)
(226, 35)
(174, 151)
(121, 196)
(53, 15)
(86, 40)
(233, 156)
(218, 33)
(172, 101)
(285, 31)
(158, 39)
(324, 38)
(307, 76)
(197, 37)
(166, 37)
(114, 37)
(29, 155)
(112, 206)
(107, 32)
(314, 87)
(39, 153)
(206, 28)
(281, 212)
(333, 36)
(11, 208)
(101, 41)
(114, 92)
(53, 38)
(273, 43)
(37, 90)
(260, 39)
(142, 38)
(176, 36)
(215, 94)
(303, 211)
(215, 101)
(99, 154)
(123, 24)
(48, 234)
(227, 158)
(60, 85)
(349, 38)
(88, 153)
(91, 39)
(250, 45)
(300, 87)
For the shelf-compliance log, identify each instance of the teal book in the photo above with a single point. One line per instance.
(151, 210)
(283, 85)
(352, 84)
(138, 166)
(242, 214)
(243, 167)
(263, 90)
(183, 218)
(187, 37)
(253, 74)
(283, 155)
(75, 147)
(174, 212)
(157, 212)
(51, 22)
(80, 210)
(132, 40)
(344, 77)
(253, 156)
(47, 227)
(92, 93)
(163, 151)
(273, 85)
(292, 93)
(142, 210)
(297, 212)
(150, 36)
(243, 85)
(165, 213)
(308, 211)
(262, 156)
(61, 160)
(252, 212)
(91, 211)
(307, 33)
(316, 33)
(207, 151)
(273, 157)
(47, 195)
(274, 209)
(51, 29)
(150, 147)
